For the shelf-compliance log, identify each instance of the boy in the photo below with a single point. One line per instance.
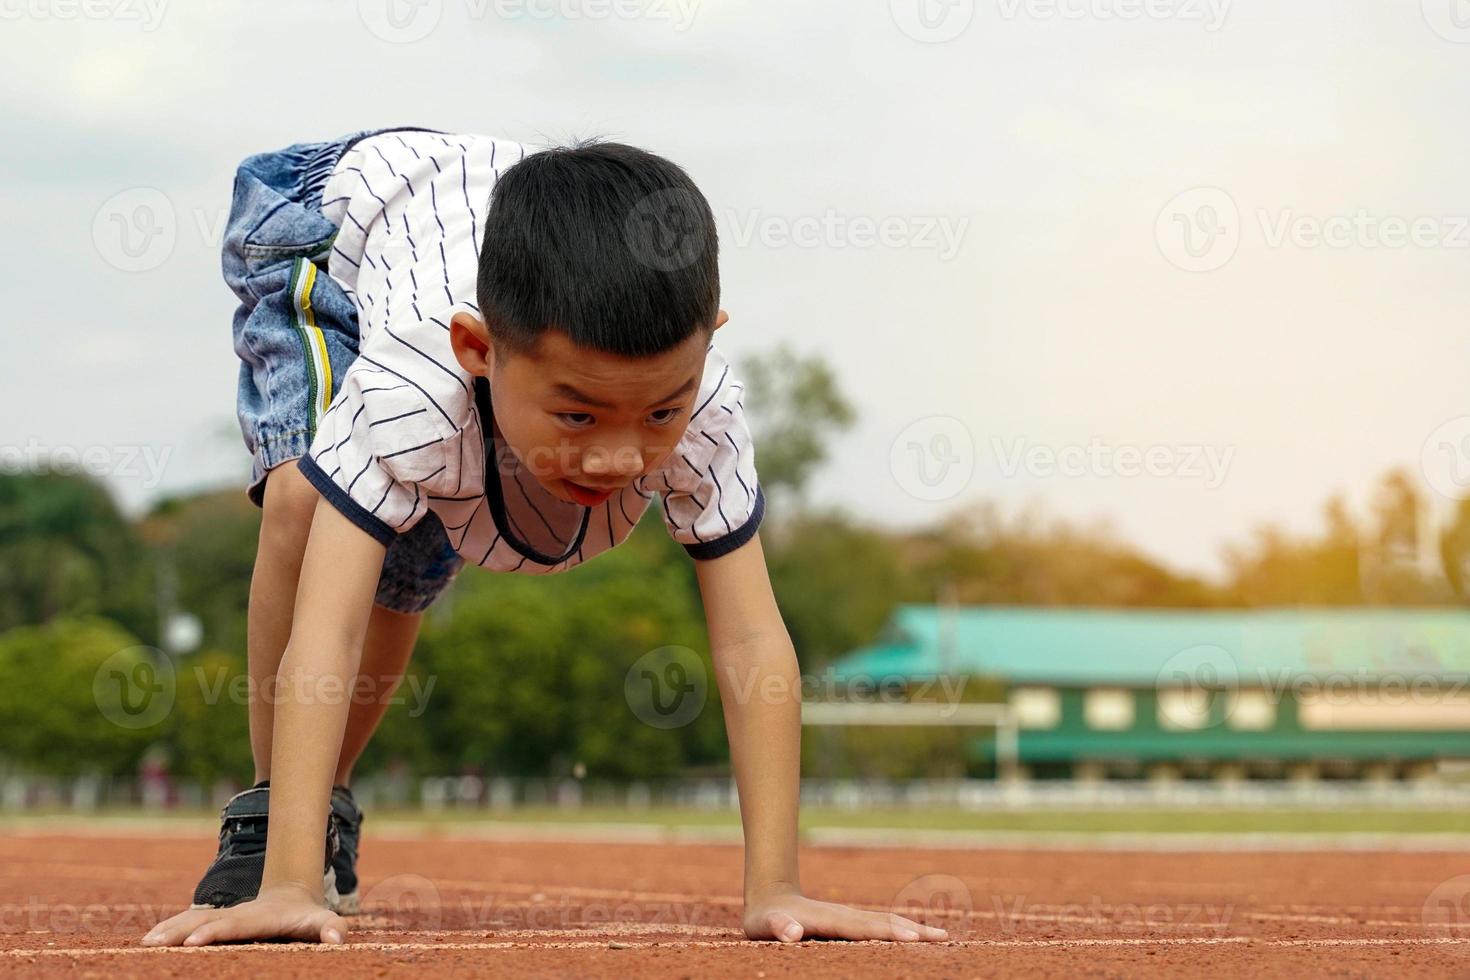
(432, 373)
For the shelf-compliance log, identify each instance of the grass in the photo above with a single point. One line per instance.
(1275, 820)
(1144, 821)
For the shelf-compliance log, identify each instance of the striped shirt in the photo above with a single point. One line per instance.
(410, 431)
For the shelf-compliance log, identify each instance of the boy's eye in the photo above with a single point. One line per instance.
(580, 420)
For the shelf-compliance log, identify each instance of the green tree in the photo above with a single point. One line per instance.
(979, 556)
(65, 550)
(209, 539)
(1400, 566)
(796, 408)
(836, 582)
(1389, 557)
(1279, 568)
(1454, 549)
(210, 730)
(529, 672)
(51, 718)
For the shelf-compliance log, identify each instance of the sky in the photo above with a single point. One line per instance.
(1181, 267)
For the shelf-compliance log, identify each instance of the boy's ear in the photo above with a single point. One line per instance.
(721, 319)
(470, 339)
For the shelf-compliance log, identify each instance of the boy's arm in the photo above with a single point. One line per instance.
(756, 669)
(334, 596)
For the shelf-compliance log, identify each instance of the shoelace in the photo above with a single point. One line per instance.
(245, 835)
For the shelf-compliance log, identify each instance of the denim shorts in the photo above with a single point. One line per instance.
(296, 334)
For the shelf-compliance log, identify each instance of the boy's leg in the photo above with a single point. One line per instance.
(290, 501)
(419, 565)
(274, 236)
(288, 505)
(386, 650)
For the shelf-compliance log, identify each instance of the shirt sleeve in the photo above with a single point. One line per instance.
(372, 451)
(712, 500)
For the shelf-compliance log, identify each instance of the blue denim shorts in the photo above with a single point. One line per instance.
(296, 344)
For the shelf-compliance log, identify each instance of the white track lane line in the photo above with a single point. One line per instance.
(97, 910)
(586, 944)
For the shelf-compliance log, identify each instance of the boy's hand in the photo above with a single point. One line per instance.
(340, 570)
(791, 917)
(280, 912)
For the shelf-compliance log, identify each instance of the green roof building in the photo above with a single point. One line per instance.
(1302, 692)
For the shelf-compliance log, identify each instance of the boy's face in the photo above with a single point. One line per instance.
(585, 423)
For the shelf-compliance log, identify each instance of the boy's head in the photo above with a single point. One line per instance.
(599, 289)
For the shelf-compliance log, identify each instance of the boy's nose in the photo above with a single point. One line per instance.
(621, 463)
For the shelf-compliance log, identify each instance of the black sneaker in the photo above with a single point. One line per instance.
(235, 875)
(347, 819)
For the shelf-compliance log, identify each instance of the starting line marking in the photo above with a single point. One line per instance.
(589, 944)
(1339, 920)
(373, 918)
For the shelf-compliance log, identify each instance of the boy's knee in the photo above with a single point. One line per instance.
(289, 504)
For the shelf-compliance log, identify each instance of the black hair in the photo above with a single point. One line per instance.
(612, 244)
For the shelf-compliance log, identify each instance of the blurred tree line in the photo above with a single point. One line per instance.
(521, 675)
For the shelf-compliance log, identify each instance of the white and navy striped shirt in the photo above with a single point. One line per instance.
(407, 431)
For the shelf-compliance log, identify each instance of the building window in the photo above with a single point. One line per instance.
(1184, 708)
(1108, 708)
(1251, 711)
(1398, 708)
(1036, 707)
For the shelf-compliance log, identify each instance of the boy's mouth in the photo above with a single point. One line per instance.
(586, 496)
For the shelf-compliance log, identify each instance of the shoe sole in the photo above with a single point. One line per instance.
(336, 902)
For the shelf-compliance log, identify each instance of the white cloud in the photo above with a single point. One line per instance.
(1059, 140)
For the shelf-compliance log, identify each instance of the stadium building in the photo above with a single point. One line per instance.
(1304, 694)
